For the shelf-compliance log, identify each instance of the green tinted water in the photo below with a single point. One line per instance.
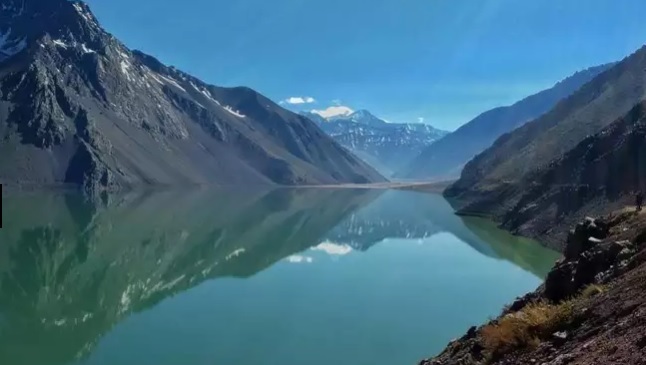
(282, 277)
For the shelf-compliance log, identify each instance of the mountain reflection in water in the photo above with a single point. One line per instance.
(72, 269)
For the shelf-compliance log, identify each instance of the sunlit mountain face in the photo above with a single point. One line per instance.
(386, 146)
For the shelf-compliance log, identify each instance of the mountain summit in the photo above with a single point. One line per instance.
(386, 146)
(365, 117)
(78, 107)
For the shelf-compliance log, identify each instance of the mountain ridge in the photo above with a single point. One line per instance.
(386, 146)
(78, 107)
(513, 176)
(444, 160)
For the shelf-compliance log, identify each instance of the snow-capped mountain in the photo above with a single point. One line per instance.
(386, 146)
(78, 107)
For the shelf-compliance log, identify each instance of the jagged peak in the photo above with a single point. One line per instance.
(29, 22)
(362, 113)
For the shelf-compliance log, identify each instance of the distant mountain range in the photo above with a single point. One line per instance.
(78, 107)
(585, 156)
(446, 158)
(386, 146)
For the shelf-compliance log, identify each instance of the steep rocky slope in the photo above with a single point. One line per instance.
(386, 146)
(600, 174)
(446, 158)
(591, 309)
(512, 179)
(78, 107)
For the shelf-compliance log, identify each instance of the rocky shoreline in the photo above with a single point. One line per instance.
(590, 310)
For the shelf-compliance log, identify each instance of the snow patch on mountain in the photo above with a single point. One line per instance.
(10, 47)
(386, 146)
(60, 43)
(86, 50)
(172, 82)
(233, 112)
(87, 16)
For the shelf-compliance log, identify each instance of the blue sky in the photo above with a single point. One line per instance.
(440, 61)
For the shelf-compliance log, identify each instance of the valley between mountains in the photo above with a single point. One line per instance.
(81, 110)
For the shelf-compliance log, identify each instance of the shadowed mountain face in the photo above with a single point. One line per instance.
(601, 174)
(386, 146)
(70, 270)
(446, 157)
(534, 179)
(78, 107)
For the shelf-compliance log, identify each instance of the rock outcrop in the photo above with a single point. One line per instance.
(598, 288)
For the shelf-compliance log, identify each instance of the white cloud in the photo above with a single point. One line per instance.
(298, 259)
(295, 100)
(334, 111)
(420, 120)
(336, 102)
(332, 248)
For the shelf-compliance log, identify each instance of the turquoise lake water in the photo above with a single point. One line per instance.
(290, 276)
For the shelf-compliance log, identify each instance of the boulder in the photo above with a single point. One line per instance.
(559, 338)
(586, 256)
(559, 283)
(585, 235)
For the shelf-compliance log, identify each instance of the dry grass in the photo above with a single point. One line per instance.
(526, 328)
(592, 290)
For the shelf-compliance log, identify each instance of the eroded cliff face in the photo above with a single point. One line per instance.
(78, 107)
(591, 309)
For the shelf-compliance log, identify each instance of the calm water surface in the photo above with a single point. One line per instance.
(283, 277)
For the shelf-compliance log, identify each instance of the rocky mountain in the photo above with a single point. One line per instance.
(446, 158)
(590, 310)
(386, 146)
(78, 107)
(543, 175)
(71, 269)
(599, 175)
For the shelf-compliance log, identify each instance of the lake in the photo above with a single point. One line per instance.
(288, 276)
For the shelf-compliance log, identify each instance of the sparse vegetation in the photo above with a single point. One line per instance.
(533, 324)
(527, 328)
(592, 290)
